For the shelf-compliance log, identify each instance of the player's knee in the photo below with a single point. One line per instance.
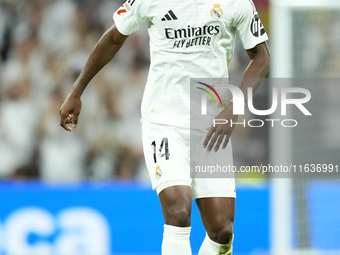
(178, 216)
(222, 233)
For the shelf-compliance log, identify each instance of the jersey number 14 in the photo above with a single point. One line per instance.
(166, 153)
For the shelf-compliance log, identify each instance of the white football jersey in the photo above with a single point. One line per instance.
(188, 39)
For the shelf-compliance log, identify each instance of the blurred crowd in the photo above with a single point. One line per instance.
(44, 45)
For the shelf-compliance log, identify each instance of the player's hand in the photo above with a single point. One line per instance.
(220, 132)
(69, 112)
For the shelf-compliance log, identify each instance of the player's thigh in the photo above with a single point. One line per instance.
(218, 215)
(166, 151)
(214, 177)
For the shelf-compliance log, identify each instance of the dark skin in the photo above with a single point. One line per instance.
(252, 77)
(217, 213)
(106, 48)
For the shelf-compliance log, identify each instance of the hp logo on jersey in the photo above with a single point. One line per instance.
(256, 26)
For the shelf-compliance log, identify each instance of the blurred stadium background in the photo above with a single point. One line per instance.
(87, 192)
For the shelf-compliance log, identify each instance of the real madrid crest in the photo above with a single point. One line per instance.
(158, 173)
(216, 12)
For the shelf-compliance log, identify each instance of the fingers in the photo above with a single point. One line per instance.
(75, 119)
(207, 138)
(69, 119)
(63, 124)
(226, 142)
(64, 120)
(219, 141)
(69, 112)
(215, 137)
(213, 140)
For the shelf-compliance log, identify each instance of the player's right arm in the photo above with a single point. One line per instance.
(103, 52)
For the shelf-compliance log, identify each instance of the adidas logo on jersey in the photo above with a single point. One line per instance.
(169, 16)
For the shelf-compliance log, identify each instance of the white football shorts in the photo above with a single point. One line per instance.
(167, 155)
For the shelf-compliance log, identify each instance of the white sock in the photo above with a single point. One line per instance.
(176, 240)
(209, 247)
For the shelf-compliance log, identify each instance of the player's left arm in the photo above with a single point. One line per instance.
(254, 74)
(257, 69)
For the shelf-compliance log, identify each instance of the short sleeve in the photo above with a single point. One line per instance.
(130, 16)
(248, 24)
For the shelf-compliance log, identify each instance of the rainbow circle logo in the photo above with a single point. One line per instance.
(209, 93)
